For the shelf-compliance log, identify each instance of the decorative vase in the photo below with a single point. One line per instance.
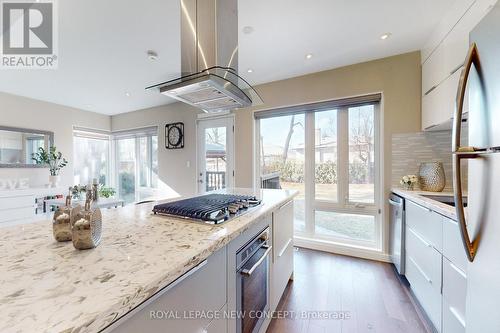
(431, 176)
(54, 181)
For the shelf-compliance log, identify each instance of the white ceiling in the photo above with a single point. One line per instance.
(103, 44)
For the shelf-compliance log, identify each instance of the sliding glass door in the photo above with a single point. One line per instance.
(331, 156)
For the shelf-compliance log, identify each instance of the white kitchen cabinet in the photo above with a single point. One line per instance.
(190, 294)
(443, 60)
(438, 106)
(425, 223)
(423, 271)
(282, 267)
(450, 19)
(437, 273)
(453, 248)
(454, 296)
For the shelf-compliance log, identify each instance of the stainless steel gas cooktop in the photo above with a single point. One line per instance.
(212, 208)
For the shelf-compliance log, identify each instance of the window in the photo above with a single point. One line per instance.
(91, 156)
(328, 152)
(282, 158)
(133, 171)
(136, 163)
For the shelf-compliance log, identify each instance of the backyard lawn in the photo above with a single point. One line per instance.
(360, 227)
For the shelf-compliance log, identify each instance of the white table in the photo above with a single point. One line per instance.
(101, 203)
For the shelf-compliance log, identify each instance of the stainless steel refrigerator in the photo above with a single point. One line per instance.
(479, 94)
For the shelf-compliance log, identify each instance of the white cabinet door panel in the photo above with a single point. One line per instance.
(204, 290)
(17, 202)
(453, 248)
(454, 289)
(426, 223)
(438, 106)
(425, 257)
(427, 296)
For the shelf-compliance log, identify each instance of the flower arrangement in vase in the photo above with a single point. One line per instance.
(408, 182)
(54, 160)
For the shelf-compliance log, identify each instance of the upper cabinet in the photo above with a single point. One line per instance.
(442, 60)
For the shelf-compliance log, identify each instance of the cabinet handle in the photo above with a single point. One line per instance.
(460, 153)
(285, 204)
(458, 270)
(285, 248)
(429, 91)
(420, 238)
(421, 271)
(455, 313)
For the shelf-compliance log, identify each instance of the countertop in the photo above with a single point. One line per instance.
(436, 206)
(51, 287)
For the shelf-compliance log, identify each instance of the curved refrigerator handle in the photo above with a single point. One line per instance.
(460, 152)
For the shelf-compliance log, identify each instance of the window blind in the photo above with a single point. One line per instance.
(320, 106)
(135, 133)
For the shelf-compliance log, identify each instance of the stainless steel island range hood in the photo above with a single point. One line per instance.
(209, 59)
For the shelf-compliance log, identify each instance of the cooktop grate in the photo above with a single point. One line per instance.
(212, 208)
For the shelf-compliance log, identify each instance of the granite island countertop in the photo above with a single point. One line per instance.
(436, 206)
(52, 287)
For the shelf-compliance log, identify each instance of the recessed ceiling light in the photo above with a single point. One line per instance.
(152, 55)
(250, 70)
(385, 36)
(248, 29)
(309, 56)
(127, 94)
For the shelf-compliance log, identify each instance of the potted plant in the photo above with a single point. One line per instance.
(106, 192)
(408, 182)
(54, 160)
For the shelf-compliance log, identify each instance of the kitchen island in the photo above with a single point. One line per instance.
(51, 287)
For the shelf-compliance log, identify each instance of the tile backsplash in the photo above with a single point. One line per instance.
(411, 149)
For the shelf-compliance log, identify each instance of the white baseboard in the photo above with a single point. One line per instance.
(352, 251)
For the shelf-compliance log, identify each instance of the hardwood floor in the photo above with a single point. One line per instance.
(368, 292)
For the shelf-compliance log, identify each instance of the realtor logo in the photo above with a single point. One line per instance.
(28, 35)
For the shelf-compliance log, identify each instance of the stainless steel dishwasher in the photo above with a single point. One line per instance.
(397, 233)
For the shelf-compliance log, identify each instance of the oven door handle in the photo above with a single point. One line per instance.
(249, 272)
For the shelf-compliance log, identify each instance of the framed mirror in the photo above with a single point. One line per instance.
(17, 146)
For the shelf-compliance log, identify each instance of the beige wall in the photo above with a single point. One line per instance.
(398, 78)
(17, 111)
(174, 173)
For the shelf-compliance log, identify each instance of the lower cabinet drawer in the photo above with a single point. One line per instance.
(17, 214)
(17, 202)
(428, 297)
(427, 259)
(452, 323)
(454, 296)
(281, 272)
(204, 290)
(453, 248)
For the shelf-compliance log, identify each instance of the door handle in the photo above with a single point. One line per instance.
(460, 153)
(250, 271)
(394, 203)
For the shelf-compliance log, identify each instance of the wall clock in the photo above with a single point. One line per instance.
(174, 136)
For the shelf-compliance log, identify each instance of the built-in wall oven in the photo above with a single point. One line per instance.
(252, 283)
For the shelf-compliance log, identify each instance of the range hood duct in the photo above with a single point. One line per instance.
(209, 59)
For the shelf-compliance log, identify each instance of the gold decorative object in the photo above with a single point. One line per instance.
(87, 227)
(61, 223)
(431, 176)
